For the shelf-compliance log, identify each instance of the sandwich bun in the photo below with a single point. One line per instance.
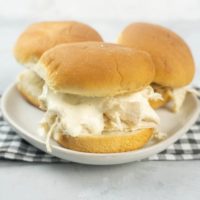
(107, 143)
(95, 69)
(39, 37)
(173, 60)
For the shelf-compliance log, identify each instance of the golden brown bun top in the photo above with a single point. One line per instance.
(39, 37)
(172, 58)
(95, 69)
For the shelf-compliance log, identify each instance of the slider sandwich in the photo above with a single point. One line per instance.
(37, 39)
(96, 96)
(172, 58)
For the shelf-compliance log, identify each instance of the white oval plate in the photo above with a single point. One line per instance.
(24, 118)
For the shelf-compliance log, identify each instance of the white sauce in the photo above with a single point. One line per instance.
(179, 95)
(85, 115)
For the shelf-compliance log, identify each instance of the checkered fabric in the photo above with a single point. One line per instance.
(13, 147)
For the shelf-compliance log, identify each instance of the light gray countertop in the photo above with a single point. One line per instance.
(139, 180)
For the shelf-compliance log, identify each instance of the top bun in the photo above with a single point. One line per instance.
(95, 69)
(172, 58)
(39, 37)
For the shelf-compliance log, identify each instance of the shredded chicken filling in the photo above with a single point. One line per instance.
(77, 115)
(177, 95)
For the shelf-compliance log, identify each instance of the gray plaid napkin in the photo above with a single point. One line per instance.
(13, 147)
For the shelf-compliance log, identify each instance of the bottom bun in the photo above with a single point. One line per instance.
(107, 143)
(166, 97)
(30, 87)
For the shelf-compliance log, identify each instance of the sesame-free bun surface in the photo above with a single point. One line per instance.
(30, 85)
(172, 58)
(107, 143)
(39, 37)
(95, 69)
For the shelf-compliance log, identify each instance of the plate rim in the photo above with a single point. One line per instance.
(160, 146)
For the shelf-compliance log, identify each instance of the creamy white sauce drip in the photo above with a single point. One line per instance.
(178, 97)
(93, 115)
